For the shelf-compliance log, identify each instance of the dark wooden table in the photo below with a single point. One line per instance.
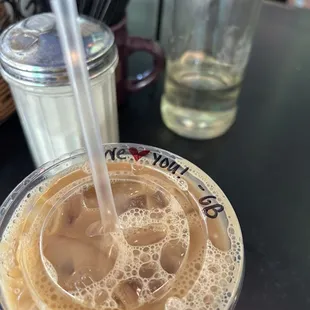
(262, 163)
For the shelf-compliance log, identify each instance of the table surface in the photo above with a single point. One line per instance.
(262, 163)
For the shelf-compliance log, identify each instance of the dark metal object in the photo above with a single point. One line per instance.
(115, 9)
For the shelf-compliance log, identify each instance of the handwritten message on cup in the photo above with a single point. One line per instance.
(208, 203)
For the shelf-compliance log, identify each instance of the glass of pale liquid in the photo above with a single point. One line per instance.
(179, 245)
(208, 44)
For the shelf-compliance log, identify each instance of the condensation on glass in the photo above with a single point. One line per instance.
(207, 46)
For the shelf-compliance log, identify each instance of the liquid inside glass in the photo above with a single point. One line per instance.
(200, 96)
(56, 255)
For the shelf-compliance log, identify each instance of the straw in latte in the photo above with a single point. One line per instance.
(69, 33)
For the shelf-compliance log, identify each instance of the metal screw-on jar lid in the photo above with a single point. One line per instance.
(30, 51)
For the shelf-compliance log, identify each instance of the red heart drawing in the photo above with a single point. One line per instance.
(137, 155)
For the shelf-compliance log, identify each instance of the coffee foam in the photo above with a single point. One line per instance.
(209, 280)
(140, 262)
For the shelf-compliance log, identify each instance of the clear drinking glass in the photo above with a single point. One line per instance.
(209, 42)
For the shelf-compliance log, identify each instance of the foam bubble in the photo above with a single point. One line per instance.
(140, 274)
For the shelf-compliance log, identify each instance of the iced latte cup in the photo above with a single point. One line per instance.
(179, 246)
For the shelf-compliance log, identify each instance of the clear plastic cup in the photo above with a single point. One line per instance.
(180, 246)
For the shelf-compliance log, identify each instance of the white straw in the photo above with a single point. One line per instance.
(74, 55)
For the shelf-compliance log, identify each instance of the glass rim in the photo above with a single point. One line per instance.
(19, 192)
(60, 160)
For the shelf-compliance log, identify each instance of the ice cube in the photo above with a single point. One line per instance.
(90, 198)
(157, 200)
(94, 229)
(172, 256)
(65, 215)
(156, 284)
(83, 277)
(128, 292)
(70, 257)
(184, 200)
(57, 250)
(138, 202)
(75, 229)
(147, 270)
(123, 191)
(100, 297)
(142, 236)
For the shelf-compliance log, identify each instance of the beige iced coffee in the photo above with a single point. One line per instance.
(179, 246)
